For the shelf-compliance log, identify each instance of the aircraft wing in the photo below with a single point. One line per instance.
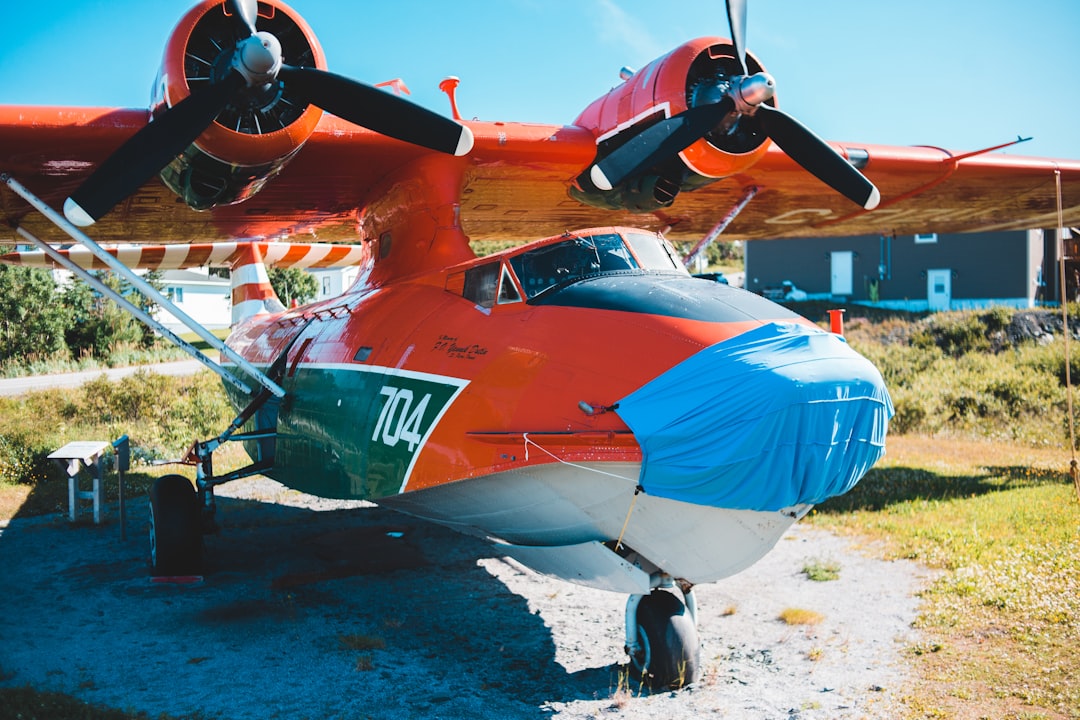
(923, 189)
(517, 182)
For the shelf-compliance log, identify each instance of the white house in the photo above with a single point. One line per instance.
(206, 298)
(334, 281)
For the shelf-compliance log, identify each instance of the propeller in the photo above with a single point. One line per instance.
(256, 62)
(745, 95)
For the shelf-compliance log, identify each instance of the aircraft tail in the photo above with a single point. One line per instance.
(251, 291)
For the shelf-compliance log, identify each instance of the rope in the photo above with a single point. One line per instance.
(637, 488)
(1074, 472)
(633, 500)
(529, 441)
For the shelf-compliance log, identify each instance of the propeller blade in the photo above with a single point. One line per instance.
(149, 150)
(736, 14)
(818, 157)
(247, 11)
(377, 110)
(663, 139)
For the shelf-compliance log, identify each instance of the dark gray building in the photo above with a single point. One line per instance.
(937, 272)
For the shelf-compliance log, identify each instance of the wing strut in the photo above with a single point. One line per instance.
(135, 310)
(720, 227)
(149, 292)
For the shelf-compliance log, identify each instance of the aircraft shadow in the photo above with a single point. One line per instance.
(883, 487)
(361, 612)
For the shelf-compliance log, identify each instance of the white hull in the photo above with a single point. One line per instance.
(562, 512)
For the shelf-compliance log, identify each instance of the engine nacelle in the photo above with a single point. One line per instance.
(695, 73)
(255, 136)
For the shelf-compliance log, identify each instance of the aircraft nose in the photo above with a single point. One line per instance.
(778, 416)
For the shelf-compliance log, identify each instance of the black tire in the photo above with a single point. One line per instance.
(670, 655)
(176, 546)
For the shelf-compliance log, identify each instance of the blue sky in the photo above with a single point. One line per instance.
(959, 74)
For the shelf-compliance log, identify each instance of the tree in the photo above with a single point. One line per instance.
(32, 317)
(99, 325)
(293, 284)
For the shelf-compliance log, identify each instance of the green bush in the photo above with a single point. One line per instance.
(160, 414)
(959, 374)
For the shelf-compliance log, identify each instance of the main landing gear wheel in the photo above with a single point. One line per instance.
(669, 652)
(176, 545)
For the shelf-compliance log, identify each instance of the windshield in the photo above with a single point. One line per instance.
(574, 258)
(654, 252)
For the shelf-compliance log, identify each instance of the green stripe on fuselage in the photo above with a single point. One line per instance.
(355, 431)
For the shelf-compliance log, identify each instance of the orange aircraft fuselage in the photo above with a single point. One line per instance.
(487, 394)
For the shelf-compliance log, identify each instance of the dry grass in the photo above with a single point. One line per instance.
(801, 616)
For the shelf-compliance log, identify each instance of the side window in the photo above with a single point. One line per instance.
(508, 292)
(481, 283)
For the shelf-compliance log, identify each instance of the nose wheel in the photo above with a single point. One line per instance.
(662, 639)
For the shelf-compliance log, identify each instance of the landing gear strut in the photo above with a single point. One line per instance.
(662, 638)
(180, 513)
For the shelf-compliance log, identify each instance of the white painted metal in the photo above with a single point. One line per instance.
(562, 504)
(593, 565)
(76, 455)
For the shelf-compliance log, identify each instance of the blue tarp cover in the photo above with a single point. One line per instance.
(781, 415)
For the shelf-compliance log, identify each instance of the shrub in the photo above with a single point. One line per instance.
(966, 374)
(161, 415)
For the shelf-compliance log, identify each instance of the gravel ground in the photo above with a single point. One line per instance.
(323, 609)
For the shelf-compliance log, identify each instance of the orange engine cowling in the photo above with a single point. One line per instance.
(695, 73)
(254, 137)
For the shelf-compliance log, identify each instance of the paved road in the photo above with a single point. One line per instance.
(18, 386)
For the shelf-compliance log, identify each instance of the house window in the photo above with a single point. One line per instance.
(925, 238)
(326, 287)
(176, 294)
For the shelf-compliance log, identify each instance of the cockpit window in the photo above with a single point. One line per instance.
(574, 258)
(481, 283)
(654, 252)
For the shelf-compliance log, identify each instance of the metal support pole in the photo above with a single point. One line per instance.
(720, 227)
(135, 310)
(123, 462)
(142, 286)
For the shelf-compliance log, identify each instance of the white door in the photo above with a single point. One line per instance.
(842, 262)
(939, 289)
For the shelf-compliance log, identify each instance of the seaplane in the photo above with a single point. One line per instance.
(579, 400)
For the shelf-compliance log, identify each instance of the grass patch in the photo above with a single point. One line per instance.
(822, 570)
(1002, 523)
(800, 616)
